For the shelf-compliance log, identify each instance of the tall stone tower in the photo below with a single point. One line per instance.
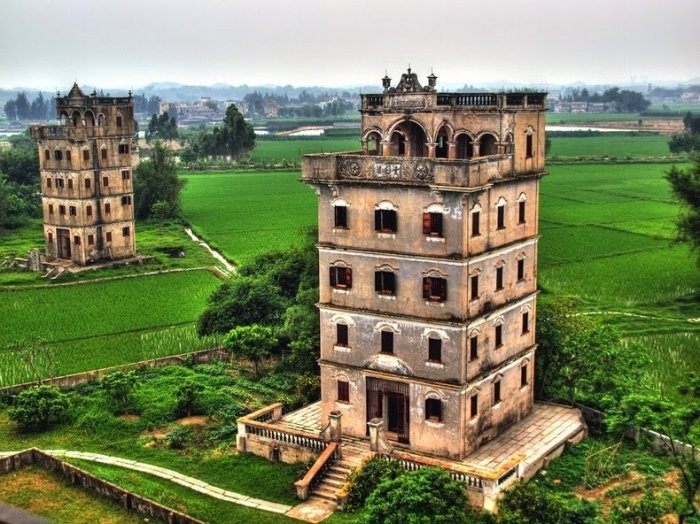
(86, 167)
(428, 259)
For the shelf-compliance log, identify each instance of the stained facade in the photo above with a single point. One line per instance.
(428, 260)
(86, 165)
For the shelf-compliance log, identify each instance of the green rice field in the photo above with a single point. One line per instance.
(101, 323)
(244, 214)
(613, 145)
(291, 151)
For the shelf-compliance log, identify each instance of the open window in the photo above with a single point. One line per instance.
(432, 224)
(435, 288)
(433, 409)
(341, 277)
(385, 220)
(385, 282)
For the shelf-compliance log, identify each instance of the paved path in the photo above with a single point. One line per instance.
(173, 476)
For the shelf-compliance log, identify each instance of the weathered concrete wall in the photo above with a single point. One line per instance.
(79, 477)
(278, 451)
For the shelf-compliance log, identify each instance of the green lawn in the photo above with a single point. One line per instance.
(245, 214)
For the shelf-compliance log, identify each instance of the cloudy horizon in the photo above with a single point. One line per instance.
(316, 43)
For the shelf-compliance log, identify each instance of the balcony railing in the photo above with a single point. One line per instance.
(457, 101)
(418, 170)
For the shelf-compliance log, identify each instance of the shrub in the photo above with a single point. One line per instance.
(39, 408)
(119, 388)
(179, 437)
(364, 481)
(424, 496)
(529, 502)
(650, 508)
(187, 395)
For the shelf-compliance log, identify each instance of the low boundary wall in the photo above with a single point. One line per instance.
(79, 477)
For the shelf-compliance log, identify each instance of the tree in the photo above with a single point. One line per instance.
(237, 136)
(187, 398)
(580, 359)
(163, 127)
(156, 180)
(424, 496)
(253, 342)
(118, 388)
(689, 140)
(680, 422)
(685, 185)
(241, 301)
(39, 408)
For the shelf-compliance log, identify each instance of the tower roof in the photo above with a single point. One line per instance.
(76, 92)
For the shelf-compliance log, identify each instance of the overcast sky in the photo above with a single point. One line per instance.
(129, 43)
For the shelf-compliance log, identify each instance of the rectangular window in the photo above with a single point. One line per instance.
(499, 278)
(528, 146)
(341, 277)
(60, 183)
(432, 224)
(341, 335)
(126, 200)
(435, 349)
(68, 157)
(385, 220)
(474, 281)
(343, 391)
(433, 409)
(384, 282)
(126, 175)
(70, 183)
(475, 223)
(126, 231)
(521, 212)
(88, 211)
(497, 392)
(474, 406)
(72, 211)
(61, 210)
(474, 347)
(341, 216)
(387, 342)
(57, 155)
(119, 120)
(50, 238)
(91, 240)
(499, 336)
(108, 208)
(123, 149)
(108, 236)
(50, 209)
(523, 376)
(86, 154)
(526, 322)
(521, 269)
(88, 183)
(48, 183)
(47, 155)
(435, 289)
(103, 154)
(105, 181)
(501, 217)
(76, 240)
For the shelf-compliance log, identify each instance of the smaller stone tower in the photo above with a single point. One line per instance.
(85, 165)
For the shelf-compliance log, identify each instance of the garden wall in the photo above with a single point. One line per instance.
(77, 476)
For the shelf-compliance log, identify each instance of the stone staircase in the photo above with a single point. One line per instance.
(354, 451)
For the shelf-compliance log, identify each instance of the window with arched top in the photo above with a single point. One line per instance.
(435, 286)
(100, 120)
(89, 119)
(464, 145)
(340, 276)
(487, 145)
(501, 213)
(119, 120)
(385, 217)
(522, 210)
(433, 408)
(374, 140)
(77, 119)
(432, 220)
(476, 219)
(340, 213)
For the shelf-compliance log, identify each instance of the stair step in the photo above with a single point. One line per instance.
(332, 482)
(336, 475)
(324, 493)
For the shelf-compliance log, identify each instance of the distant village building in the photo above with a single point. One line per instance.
(86, 165)
(271, 108)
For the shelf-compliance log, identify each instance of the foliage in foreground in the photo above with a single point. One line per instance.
(156, 180)
(424, 496)
(527, 502)
(685, 184)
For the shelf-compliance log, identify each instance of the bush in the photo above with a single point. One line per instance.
(187, 395)
(119, 388)
(529, 502)
(39, 408)
(364, 481)
(424, 496)
(650, 508)
(179, 437)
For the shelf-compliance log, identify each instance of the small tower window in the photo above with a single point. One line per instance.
(501, 217)
(435, 289)
(384, 282)
(47, 155)
(473, 347)
(474, 405)
(86, 155)
(523, 376)
(340, 277)
(497, 392)
(433, 409)
(103, 153)
(528, 146)
(432, 224)
(126, 231)
(88, 183)
(385, 220)
(475, 223)
(526, 322)
(474, 284)
(119, 120)
(341, 335)
(341, 217)
(499, 278)
(521, 269)
(498, 336)
(387, 341)
(521, 212)
(343, 391)
(435, 349)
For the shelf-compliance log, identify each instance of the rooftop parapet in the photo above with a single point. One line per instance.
(422, 100)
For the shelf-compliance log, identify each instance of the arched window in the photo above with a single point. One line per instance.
(433, 407)
(340, 276)
(385, 217)
(385, 281)
(373, 143)
(465, 146)
(77, 120)
(89, 119)
(501, 213)
(476, 216)
(522, 212)
(432, 220)
(100, 120)
(119, 120)
(435, 286)
(487, 145)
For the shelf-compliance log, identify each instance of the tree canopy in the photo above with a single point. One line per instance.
(235, 138)
(254, 342)
(685, 185)
(163, 127)
(156, 180)
(689, 140)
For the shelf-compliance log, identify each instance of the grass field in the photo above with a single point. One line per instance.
(290, 151)
(244, 214)
(103, 323)
(580, 118)
(618, 145)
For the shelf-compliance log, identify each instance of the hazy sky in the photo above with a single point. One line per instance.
(129, 43)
